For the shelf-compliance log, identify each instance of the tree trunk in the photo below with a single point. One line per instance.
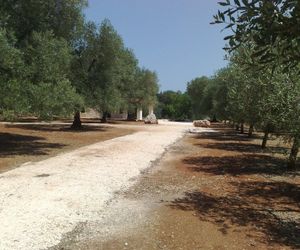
(242, 128)
(77, 121)
(104, 117)
(265, 139)
(250, 132)
(294, 152)
(237, 127)
(214, 119)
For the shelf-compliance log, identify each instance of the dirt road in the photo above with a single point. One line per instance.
(40, 203)
(214, 190)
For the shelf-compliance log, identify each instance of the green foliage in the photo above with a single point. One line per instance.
(52, 63)
(62, 17)
(272, 26)
(266, 38)
(48, 58)
(11, 58)
(13, 99)
(209, 95)
(146, 88)
(268, 100)
(35, 81)
(219, 92)
(108, 68)
(104, 70)
(106, 73)
(54, 100)
(35, 56)
(195, 90)
(174, 105)
(83, 61)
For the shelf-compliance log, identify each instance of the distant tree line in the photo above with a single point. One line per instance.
(174, 105)
(204, 98)
(53, 63)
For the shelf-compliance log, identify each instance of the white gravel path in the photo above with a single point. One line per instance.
(39, 202)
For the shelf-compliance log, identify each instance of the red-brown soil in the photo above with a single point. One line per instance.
(213, 191)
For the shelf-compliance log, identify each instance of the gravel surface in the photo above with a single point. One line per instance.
(40, 202)
(182, 202)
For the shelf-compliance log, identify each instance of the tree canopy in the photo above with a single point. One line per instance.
(272, 26)
(53, 63)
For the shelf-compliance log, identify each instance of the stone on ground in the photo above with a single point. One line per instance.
(151, 119)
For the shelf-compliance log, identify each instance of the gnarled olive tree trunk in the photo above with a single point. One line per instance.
(268, 129)
(104, 117)
(242, 128)
(294, 152)
(265, 139)
(251, 129)
(77, 121)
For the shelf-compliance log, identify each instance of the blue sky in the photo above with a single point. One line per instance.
(172, 37)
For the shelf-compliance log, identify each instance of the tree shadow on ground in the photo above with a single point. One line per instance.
(58, 128)
(246, 164)
(226, 135)
(282, 193)
(223, 132)
(16, 144)
(244, 147)
(268, 207)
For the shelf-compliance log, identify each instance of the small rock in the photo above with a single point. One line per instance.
(201, 123)
(151, 119)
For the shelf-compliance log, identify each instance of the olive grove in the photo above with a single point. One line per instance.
(54, 63)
